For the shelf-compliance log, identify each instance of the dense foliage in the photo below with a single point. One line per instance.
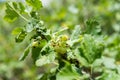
(80, 41)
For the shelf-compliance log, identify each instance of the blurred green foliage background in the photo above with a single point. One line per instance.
(59, 14)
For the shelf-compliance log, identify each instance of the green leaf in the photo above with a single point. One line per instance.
(109, 62)
(35, 53)
(47, 35)
(43, 42)
(32, 25)
(34, 14)
(48, 62)
(44, 77)
(118, 69)
(68, 73)
(91, 48)
(15, 5)
(13, 11)
(82, 60)
(25, 53)
(36, 4)
(45, 59)
(21, 36)
(11, 15)
(19, 7)
(37, 47)
(117, 57)
(92, 26)
(109, 75)
(17, 30)
(29, 27)
(76, 32)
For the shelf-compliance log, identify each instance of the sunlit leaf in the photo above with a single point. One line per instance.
(21, 7)
(20, 37)
(46, 59)
(25, 53)
(109, 75)
(11, 15)
(92, 27)
(35, 53)
(91, 49)
(29, 27)
(36, 4)
(17, 30)
(68, 73)
(76, 32)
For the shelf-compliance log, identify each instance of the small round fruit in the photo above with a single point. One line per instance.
(35, 44)
(60, 50)
(64, 37)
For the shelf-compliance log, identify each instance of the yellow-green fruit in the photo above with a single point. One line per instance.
(35, 44)
(61, 50)
(64, 37)
(81, 37)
